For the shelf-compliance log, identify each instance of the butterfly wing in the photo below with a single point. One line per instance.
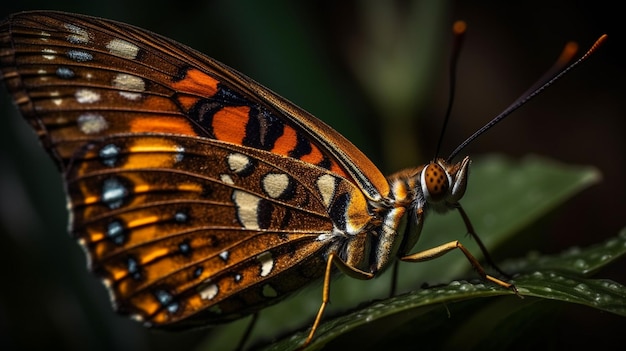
(198, 195)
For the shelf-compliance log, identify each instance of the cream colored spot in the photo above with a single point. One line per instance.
(136, 317)
(208, 292)
(130, 86)
(326, 186)
(82, 242)
(57, 102)
(267, 263)
(49, 54)
(86, 96)
(275, 185)
(92, 123)
(238, 162)
(227, 179)
(130, 96)
(78, 36)
(122, 48)
(247, 207)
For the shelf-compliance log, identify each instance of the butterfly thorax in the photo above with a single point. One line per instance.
(438, 185)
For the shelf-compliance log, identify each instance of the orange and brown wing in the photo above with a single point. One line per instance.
(198, 195)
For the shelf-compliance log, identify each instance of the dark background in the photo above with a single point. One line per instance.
(308, 52)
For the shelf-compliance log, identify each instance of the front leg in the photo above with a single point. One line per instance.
(440, 250)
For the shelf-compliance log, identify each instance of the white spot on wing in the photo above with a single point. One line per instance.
(136, 316)
(92, 123)
(181, 217)
(49, 54)
(238, 162)
(180, 153)
(122, 48)
(247, 207)
(78, 36)
(267, 263)
(65, 73)
(113, 193)
(56, 100)
(109, 154)
(324, 237)
(79, 56)
(130, 86)
(275, 184)
(226, 179)
(326, 186)
(208, 292)
(86, 96)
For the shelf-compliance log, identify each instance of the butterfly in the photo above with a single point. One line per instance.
(199, 195)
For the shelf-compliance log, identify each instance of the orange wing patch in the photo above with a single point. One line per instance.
(194, 86)
(161, 124)
(229, 124)
(197, 83)
(286, 142)
(314, 157)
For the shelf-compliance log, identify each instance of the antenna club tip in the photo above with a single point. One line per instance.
(459, 27)
(595, 46)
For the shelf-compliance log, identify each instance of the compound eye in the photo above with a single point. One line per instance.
(435, 182)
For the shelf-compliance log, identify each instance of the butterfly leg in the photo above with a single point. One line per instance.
(248, 332)
(474, 235)
(440, 250)
(351, 271)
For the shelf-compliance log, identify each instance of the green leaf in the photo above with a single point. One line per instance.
(575, 260)
(415, 307)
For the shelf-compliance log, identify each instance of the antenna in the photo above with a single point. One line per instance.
(551, 76)
(458, 29)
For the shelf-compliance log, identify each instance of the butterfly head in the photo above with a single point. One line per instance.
(443, 184)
